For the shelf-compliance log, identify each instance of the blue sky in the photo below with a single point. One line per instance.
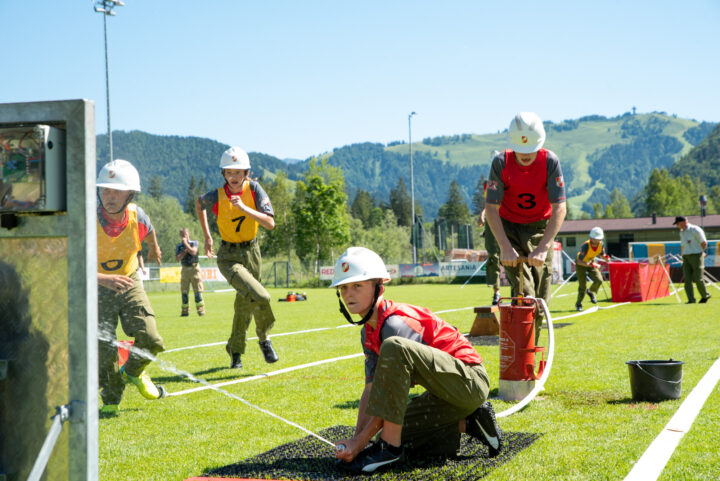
(298, 78)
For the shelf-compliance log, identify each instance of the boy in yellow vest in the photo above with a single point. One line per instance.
(241, 205)
(585, 267)
(121, 228)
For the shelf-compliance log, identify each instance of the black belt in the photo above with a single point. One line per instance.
(239, 244)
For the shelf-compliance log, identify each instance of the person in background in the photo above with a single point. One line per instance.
(186, 252)
(585, 267)
(492, 265)
(694, 243)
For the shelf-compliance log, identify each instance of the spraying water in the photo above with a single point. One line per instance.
(171, 368)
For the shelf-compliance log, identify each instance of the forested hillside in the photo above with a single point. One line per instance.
(598, 155)
(703, 161)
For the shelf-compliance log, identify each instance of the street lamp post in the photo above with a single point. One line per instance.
(412, 190)
(106, 8)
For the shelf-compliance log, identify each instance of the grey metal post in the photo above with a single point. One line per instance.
(412, 190)
(106, 8)
(77, 224)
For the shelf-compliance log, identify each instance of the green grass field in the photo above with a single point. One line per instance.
(590, 428)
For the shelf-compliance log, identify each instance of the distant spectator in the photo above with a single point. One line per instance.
(693, 243)
(186, 252)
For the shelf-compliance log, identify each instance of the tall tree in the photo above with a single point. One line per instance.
(478, 200)
(321, 220)
(667, 196)
(400, 203)
(619, 207)
(280, 240)
(190, 197)
(156, 187)
(455, 210)
(362, 207)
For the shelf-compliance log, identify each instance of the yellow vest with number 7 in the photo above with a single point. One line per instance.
(233, 224)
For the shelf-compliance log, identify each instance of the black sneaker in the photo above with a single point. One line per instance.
(375, 456)
(268, 351)
(496, 298)
(705, 299)
(481, 424)
(692, 301)
(578, 307)
(592, 297)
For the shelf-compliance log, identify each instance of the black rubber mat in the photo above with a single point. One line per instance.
(310, 459)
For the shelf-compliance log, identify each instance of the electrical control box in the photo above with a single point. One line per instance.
(32, 168)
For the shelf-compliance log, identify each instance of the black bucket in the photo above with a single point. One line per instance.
(655, 380)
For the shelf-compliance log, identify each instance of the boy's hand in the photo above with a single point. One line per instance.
(115, 282)
(155, 254)
(509, 257)
(236, 200)
(209, 247)
(351, 450)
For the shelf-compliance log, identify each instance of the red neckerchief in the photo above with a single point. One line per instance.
(114, 228)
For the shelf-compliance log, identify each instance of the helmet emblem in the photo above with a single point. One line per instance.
(234, 158)
(345, 267)
(111, 174)
(524, 139)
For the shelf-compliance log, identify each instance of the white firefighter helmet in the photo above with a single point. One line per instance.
(359, 264)
(597, 233)
(119, 174)
(526, 133)
(235, 158)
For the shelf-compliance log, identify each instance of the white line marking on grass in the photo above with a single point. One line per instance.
(653, 461)
(265, 375)
(453, 310)
(254, 338)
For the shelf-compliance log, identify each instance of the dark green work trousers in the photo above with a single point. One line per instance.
(536, 280)
(240, 265)
(693, 270)
(430, 421)
(492, 266)
(137, 320)
(583, 273)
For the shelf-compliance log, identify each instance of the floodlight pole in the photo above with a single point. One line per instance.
(106, 8)
(412, 191)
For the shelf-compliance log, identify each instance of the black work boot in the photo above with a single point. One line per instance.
(268, 351)
(235, 362)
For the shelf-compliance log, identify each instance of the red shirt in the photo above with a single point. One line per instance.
(525, 193)
(417, 324)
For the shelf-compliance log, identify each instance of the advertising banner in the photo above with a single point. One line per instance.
(462, 269)
(419, 270)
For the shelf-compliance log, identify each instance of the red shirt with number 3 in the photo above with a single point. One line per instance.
(525, 193)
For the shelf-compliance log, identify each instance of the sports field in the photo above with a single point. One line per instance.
(585, 423)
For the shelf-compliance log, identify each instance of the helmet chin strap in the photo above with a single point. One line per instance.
(127, 201)
(366, 317)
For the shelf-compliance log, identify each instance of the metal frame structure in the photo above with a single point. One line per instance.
(77, 224)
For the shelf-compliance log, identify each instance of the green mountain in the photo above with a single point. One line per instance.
(597, 155)
(703, 161)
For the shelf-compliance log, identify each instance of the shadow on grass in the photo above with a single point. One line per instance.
(310, 459)
(203, 375)
(348, 405)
